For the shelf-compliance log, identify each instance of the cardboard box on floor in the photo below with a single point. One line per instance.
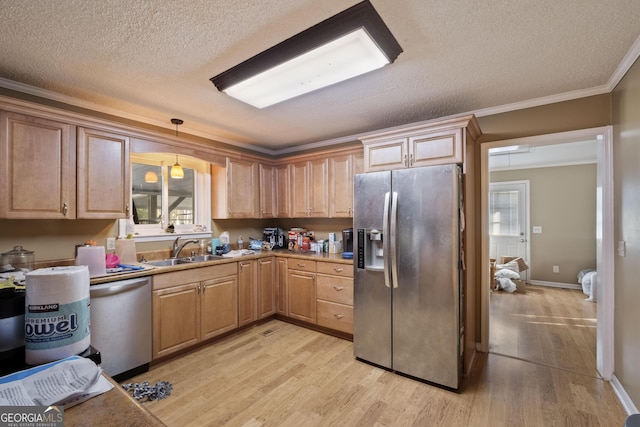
(520, 284)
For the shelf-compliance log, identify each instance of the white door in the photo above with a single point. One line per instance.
(508, 221)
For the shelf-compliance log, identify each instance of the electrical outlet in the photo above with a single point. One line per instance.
(622, 248)
(111, 243)
(556, 269)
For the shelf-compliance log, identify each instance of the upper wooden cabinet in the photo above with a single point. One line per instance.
(283, 191)
(434, 143)
(103, 178)
(268, 193)
(38, 167)
(309, 188)
(341, 171)
(235, 189)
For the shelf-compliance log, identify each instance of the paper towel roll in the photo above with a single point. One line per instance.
(92, 257)
(57, 316)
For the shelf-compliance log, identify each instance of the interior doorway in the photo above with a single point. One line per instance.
(509, 221)
(604, 242)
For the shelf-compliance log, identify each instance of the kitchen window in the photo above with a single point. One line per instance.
(158, 200)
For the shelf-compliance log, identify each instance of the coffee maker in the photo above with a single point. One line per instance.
(347, 240)
(274, 236)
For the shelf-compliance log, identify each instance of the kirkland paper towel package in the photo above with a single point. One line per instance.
(56, 314)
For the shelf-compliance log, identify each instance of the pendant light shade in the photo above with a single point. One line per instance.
(176, 170)
(151, 177)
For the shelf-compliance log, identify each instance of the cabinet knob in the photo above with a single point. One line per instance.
(339, 316)
(404, 160)
(337, 269)
(338, 288)
(65, 208)
(411, 160)
(127, 209)
(301, 264)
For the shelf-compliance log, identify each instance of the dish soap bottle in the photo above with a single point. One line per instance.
(240, 243)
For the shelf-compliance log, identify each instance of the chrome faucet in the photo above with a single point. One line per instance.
(178, 248)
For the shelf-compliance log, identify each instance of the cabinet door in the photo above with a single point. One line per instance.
(341, 186)
(281, 291)
(266, 287)
(37, 167)
(242, 189)
(319, 188)
(436, 148)
(218, 306)
(386, 155)
(283, 193)
(267, 191)
(247, 292)
(299, 181)
(103, 175)
(176, 318)
(302, 295)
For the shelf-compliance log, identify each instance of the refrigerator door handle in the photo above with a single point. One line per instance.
(385, 237)
(393, 239)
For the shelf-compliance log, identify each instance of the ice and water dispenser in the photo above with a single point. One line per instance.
(370, 249)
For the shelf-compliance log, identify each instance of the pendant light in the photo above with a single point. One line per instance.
(176, 170)
(151, 177)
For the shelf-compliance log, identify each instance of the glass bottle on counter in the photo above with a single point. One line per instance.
(240, 242)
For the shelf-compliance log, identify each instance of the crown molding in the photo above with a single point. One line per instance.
(624, 66)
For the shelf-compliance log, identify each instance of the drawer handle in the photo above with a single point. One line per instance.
(338, 288)
(301, 265)
(339, 316)
(338, 270)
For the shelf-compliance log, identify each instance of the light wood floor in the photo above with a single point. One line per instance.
(551, 326)
(297, 377)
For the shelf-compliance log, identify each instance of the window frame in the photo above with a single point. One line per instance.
(201, 194)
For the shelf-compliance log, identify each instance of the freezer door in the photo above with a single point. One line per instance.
(372, 297)
(426, 326)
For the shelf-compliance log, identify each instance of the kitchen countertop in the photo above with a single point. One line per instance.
(152, 270)
(113, 408)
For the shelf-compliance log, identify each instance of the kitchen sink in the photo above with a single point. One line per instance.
(169, 262)
(204, 258)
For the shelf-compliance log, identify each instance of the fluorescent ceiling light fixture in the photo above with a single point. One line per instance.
(346, 45)
(511, 149)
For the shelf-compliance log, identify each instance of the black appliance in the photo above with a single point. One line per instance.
(275, 237)
(347, 240)
(12, 328)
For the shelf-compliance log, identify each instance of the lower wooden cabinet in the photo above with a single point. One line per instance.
(266, 287)
(302, 290)
(282, 290)
(247, 292)
(190, 306)
(176, 318)
(218, 306)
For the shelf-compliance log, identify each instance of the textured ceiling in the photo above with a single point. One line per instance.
(152, 59)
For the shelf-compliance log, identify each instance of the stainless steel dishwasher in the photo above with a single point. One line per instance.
(121, 326)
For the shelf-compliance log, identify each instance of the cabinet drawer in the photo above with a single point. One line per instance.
(335, 316)
(302, 265)
(334, 289)
(336, 269)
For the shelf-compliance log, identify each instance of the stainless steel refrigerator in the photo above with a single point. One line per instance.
(408, 291)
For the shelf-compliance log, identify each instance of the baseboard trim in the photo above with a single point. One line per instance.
(555, 284)
(624, 398)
